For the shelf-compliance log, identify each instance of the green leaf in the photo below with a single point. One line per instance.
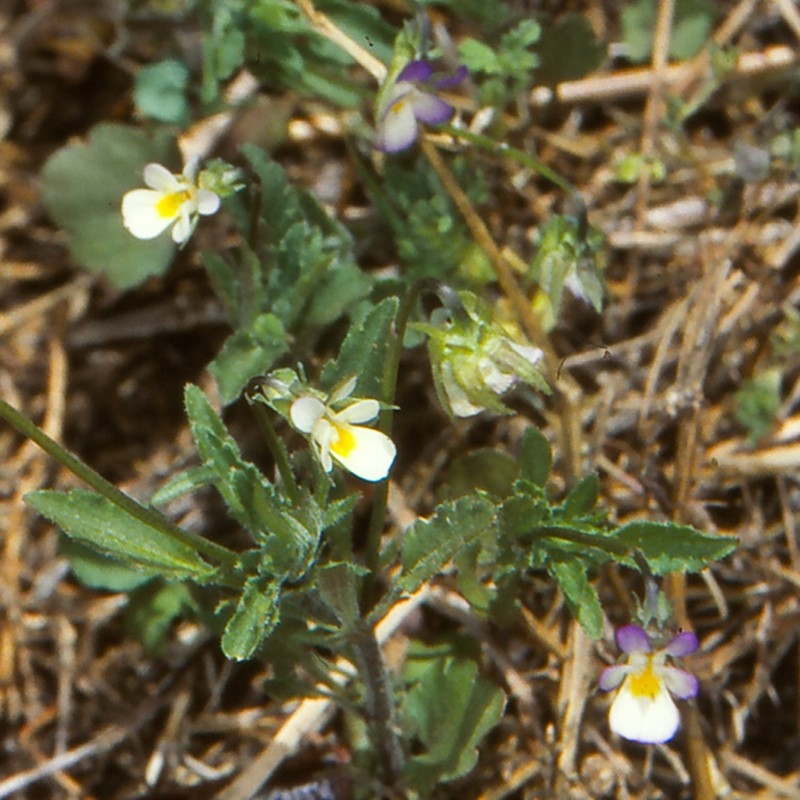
(583, 497)
(692, 24)
(364, 350)
(674, 548)
(536, 458)
(479, 57)
(160, 92)
(451, 709)
(255, 617)
(571, 576)
(98, 571)
(339, 585)
(240, 483)
(92, 519)
(568, 50)
(153, 608)
(183, 483)
(758, 402)
(490, 471)
(428, 545)
(82, 188)
(247, 353)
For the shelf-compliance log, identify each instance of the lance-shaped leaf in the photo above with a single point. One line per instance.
(239, 482)
(364, 350)
(339, 585)
(430, 544)
(255, 617)
(535, 458)
(91, 518)
(674, 548)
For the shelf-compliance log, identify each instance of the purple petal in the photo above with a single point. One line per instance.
(681, 683)
(451, 81)
(612, 677)
(632, 639)
(681, 645)
(416, 71)
(429, 109)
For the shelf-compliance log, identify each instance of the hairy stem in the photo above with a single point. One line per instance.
(388, 388)
(277, 448)
(380, 703)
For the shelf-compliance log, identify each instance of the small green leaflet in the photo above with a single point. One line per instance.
(255, 617)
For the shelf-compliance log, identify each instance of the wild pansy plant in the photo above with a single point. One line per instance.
(313, 561)
(170, 200)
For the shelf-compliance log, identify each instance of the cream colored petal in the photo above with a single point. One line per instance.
(140, 214)
(360, 411)
(305, 413)
(207, 202)
(184, 226)
(322, 435)
(397, 128)
(365, 452)
(159, 177)
(641, 719)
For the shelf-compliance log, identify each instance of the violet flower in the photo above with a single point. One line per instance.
(409, 102)
(643, 709)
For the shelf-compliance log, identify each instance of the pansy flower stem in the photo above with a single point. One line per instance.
(277, 448)
(388, 388)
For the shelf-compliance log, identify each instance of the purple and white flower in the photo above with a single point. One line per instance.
(170, 199)
(411, 100)
(643, 709)
(365, 452)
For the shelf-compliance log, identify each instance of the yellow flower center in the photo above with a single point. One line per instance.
(169, 205)
(398, 106)
(645, 683)
(344, 442)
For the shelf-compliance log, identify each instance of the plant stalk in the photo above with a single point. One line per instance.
(388, 388)
(379, 702)
(277, 448)
(149, 516)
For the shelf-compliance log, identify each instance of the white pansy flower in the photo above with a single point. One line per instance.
(339, 436)
(171, 199)
(643, 709)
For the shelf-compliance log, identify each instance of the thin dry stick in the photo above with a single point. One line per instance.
(629, 83)
(655, 99)
(696, 349)
(778, 787)
(566, 391)
(109, 738)
(790, 14)
(574, 691)
(724, 34)
(325, 26)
